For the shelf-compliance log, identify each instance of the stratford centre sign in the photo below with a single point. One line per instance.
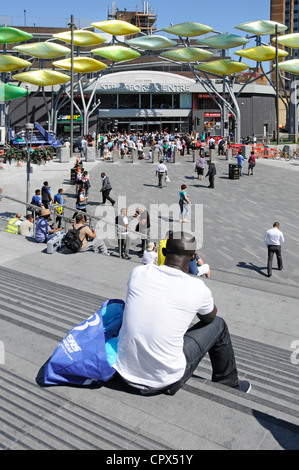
(145, 87)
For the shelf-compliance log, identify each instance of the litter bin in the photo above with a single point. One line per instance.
(73, 175)
(233, 171)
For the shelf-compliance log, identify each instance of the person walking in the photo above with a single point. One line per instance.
(240, 160)
(106, 188)
(211, 174)
(184, 202)
(199, 167)
(161, 172)
(251, 163)
(273, 239)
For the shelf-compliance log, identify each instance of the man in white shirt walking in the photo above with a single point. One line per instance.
(161, 172)
(273, 239)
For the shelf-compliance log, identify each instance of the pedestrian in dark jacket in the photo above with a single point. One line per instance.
(106, 188)
(211, 174)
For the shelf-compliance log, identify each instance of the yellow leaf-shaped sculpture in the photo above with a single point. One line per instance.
(43, 50)
(188, 29)
(261, 27)
(261, 53)
(9, 35)
(288, 40)
(82, 37)
(116, 27)
(81, 64)
(291, 66)
(152, 42)
(116, 53)
(42, 77)
(9, 63)
(223, 41)
(187, 54)
(11, 92)
(222, 67)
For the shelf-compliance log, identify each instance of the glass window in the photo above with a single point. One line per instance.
(145, 101)
(161, 101)
(107, 101)
(128, 101)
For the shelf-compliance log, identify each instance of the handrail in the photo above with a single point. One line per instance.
(34, 209)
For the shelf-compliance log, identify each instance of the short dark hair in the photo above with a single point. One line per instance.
(183, 186)
(79, 217)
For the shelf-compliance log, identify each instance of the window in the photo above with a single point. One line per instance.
(128, 101)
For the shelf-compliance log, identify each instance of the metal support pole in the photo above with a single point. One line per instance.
(29, 128)
(72, 25)
(277, 85)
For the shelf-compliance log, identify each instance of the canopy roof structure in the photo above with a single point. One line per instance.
(122, 48)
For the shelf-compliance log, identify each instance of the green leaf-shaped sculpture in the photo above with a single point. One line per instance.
(187, 54)
(116, 27)
(261, 27)
(291, 66)
(188, 29)
(9, 63)
(222, 67)
(82, 37)
(11, 92)
(152, 42)
(81, 64)
(223, 41)
(9, 35)
(116, 53)
(261, 53)
(43, 50)
(288, 40)
(42, 77)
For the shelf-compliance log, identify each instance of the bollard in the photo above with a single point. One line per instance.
(90, 154)
(229, 154)
(63, 154)
(212, 155)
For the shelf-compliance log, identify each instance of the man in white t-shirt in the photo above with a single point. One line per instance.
(150, 255)
(157, 350)
(273, 239)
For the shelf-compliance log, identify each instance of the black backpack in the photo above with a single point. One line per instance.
(72, 240)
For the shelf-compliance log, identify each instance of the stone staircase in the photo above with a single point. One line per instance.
(36, 314)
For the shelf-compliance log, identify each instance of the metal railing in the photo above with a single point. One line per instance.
(92, 219)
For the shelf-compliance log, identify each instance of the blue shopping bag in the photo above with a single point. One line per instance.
(87, 353)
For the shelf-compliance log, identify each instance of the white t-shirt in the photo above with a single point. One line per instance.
(160, 306)
(149, 257)
(273, 237)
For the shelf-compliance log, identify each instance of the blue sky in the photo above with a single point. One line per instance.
(223, 15)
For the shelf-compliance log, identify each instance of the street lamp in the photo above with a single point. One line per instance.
(29, 130)
(72, 25)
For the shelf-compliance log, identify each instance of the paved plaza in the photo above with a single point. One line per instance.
(43, 296)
